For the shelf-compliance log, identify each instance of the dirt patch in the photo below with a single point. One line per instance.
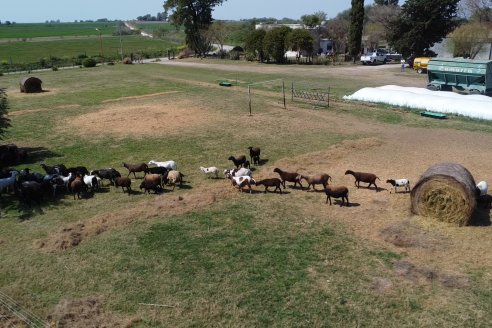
(159, 206)
(417, 274)
(155, 119)
(382, 285)
(38, 110)
(87, 312)
(404, 234)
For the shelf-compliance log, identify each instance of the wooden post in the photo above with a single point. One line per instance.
(249, 96)
(292, 90)
(283, 92)
(328, 101)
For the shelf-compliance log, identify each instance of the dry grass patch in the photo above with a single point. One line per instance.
(42, 110)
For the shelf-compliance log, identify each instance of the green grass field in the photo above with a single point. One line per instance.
(36, 30)
(237, 260)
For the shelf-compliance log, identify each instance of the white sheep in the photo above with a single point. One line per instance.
(8, 182)
(212, 170)
(174, 177)
(170, 165)
(483, 187)
(399, 183)
(242, 172)
(243, 181)
(92, 181)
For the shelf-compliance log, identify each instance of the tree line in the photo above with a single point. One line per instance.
(411, 28)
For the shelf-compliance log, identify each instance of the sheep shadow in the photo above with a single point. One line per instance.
(284, 192)
(263, 161)
(339, 202)
(378, 189)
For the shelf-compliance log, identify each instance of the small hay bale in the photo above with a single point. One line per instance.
(445, 192)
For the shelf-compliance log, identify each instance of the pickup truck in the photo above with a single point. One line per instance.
(373, 58)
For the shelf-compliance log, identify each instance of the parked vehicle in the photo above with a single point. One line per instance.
(373, 58)
(420, 64)
(473, 76)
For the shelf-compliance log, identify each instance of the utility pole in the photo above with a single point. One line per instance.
(121, 42)
(101, 44)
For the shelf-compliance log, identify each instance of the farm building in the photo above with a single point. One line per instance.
(30, 85)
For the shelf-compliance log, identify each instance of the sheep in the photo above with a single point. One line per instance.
(317, 179)
(170, 165)
(152, 182)
(108, 173)
(175, 177)
(273, 182)
(78, 170)
(243, 181)
(77, 186)
(238, 173)
(212, 170)
(399, 183)
(8, 182)
(289, 177)
(254, 154)
(123, 182)
(92, 182)
(238, 161)
(363, 177)
(157, 170)
(337, 192)
(482, 188)
(141, 167)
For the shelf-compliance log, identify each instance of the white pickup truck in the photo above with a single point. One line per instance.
(373, 58)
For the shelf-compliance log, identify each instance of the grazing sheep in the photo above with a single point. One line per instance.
(154, 179)
(482, 187)
(289, 177)
(238, 161)
(148, 186)
(273, 182)
(174, 177)
(337, 192)
(78, 170)
(30, 191)
(399, 183)
(123, 182)
(141, 167)
(369, 178)
(254, 154)
(170, 165)
(321, 179)
(243, 181)
(238, 173)
(212, 170)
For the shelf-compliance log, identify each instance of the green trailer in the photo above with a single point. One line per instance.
(473, 76)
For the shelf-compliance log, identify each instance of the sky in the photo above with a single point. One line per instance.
(36, 11)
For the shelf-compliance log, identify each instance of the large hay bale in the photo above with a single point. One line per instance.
(446, 192)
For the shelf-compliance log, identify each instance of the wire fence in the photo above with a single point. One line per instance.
(10, 310)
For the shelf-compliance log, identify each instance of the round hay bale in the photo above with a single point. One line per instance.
(446, 192)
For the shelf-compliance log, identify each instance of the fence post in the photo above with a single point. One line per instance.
(328, 100)
(283, 92)
(292, 90)
(249, 96)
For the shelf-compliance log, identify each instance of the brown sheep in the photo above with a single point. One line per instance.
(289, 177)
(123, 182)
(141, 167)
(77, 186)
(273, 182)
(321, 179)
(369, 178)
(238, 161)
(337, 192)
(254, 154)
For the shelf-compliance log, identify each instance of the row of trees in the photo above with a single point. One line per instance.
(160, 17)
(412, 28)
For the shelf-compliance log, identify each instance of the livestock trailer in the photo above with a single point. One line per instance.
(473, 76)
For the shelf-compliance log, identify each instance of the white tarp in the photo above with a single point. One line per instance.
(476, 106)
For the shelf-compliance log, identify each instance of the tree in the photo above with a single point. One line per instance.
(386, 2)
(478, 10)
(310, 20)
(275, 43)
(337, 31)
(356, 27)
(422, 23)
(4, 106)
(254, 44)
(219, 32)
(196, 16)
(468, 39)
(300, 40)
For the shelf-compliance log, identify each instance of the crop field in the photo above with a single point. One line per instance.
(206, 254)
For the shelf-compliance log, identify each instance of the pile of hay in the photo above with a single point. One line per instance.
(446, 192)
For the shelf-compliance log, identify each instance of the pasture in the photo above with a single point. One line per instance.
(208, 255)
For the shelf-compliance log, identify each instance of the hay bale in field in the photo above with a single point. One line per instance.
(446, 192)
(30, 84)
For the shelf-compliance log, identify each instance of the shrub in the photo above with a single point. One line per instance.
(127, 60)
(89, 62)
(54, 68)
(234, 55)
(250, 56)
